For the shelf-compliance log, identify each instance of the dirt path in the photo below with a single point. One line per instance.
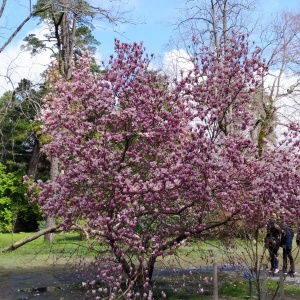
(6, 288)
(18, 284)
(50, 283)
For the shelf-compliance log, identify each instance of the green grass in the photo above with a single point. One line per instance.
(63, 242)
(235, 289)
(66, 248)
(241, 290)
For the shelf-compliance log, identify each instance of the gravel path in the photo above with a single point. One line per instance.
(54, 284)
(6, 291)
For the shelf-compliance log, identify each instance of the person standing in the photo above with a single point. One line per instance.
(272, 242)
(286, 243)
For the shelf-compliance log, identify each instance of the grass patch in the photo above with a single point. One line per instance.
(240, 289)
(63, 242)
(67, 247)
(289, 289)
(236, 289)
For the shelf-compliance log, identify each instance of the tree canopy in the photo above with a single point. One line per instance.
(147, 163)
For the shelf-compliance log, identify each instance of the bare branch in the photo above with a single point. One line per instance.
(2, 7)
(21, 25)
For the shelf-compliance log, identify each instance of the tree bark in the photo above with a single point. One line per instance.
(34, 160)
(65, 53)
(50, 221)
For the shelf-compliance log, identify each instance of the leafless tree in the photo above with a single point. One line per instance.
(209, 22)
(280, 45)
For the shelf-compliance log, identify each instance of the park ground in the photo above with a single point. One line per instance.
(26, 273)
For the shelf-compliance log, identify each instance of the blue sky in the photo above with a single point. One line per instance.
(153, 19)
(153, 26)
(158, 15)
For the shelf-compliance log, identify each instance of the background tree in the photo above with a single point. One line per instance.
(210, 22)
(70, 32)
(280, 48)
(16, 213)
(31, 14)
(18, 125)
(18, 142)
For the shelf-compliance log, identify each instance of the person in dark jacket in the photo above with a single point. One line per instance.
(298, 236)
(286, 243)
(272, 242)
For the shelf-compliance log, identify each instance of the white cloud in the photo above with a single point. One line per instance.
(16, 64)
(287, 81)
(287, 86)
(98, 58)
(176, 61)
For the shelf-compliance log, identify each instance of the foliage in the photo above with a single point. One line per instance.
(237, 289)
(20, 130)
(18, 110)
(13, 204)
(84, 40)
(147, 164)
(77, 29)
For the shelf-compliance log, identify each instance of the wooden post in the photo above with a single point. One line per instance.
(281, 290)
(215, 280)
(264, 283)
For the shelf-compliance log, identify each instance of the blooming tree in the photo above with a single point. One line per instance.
(148, 163)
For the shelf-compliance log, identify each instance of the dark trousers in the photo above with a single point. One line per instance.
(273, 251)
(287, 254)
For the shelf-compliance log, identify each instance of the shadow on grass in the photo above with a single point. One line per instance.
(68, 238)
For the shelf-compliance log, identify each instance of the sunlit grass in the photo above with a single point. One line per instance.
(67, 247)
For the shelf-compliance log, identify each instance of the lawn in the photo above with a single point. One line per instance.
(68, 248)
(38, 253)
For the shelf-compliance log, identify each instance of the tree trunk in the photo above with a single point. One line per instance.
(50, 221)
(67, 43)
(34, 160)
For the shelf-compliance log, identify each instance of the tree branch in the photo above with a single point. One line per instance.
(28, 239)
(2, 8)
(20, 26)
